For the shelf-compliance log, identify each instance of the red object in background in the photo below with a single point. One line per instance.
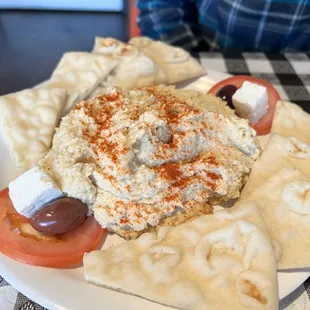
(134, 30)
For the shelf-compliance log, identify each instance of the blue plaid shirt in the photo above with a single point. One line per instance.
(228, 25)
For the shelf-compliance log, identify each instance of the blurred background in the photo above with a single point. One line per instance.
(35, 33)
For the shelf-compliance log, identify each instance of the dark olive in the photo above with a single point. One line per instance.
(226, 94)
(59, 216)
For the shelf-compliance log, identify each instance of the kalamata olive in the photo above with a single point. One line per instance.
(226, 94)
(59, 216)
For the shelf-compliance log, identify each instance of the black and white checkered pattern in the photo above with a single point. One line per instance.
(290, 75)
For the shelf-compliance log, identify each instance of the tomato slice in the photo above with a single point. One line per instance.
(263, 126)
(21, 242)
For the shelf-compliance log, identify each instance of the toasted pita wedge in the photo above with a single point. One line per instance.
(284, 203)
(107, 46)
(176, 62)
(80, 73)
(135, 69)
(28, 119)
(219, 261)
(99, 91)
(290, 120)
(279, 152)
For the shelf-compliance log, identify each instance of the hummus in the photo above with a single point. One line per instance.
(142, 157)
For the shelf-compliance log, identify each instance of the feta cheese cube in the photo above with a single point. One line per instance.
(32, 190)
(251, 101)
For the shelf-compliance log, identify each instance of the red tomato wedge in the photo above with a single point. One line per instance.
(264, 124)
(21, 242)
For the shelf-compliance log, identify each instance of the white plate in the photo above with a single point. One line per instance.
(65, 289)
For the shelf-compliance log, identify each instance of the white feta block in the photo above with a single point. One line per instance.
(33, 190)
(251, 101)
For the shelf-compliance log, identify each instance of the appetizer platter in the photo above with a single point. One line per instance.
(125, 184)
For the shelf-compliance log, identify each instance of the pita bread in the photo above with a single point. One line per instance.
(279, 152)
(134, 70)
(99, 91)
(176, 62)
(284, 203)
(218, 261)
(80, 73)
(107, 46)
(139, 72)
(290, 120)
(28, 119)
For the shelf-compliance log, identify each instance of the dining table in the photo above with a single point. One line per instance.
(289, 73)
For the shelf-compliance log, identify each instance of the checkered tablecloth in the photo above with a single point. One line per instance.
(290, 74)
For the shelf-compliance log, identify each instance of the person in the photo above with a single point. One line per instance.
(228, 25)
